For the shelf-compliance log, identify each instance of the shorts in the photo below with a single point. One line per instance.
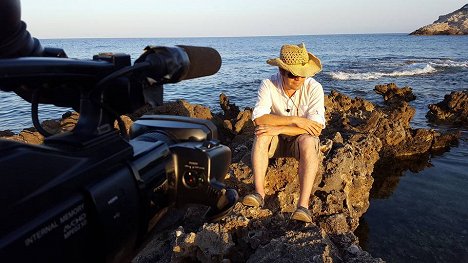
(288, 146)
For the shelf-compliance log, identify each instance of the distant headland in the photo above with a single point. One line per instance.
(455, 23)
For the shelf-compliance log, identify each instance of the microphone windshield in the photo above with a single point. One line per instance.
(204, 61)
(10, 18)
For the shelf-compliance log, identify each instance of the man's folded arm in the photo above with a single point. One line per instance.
(292, 130)
(276, 120)
(297, 125)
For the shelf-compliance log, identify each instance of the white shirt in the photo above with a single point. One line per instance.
(306, 102)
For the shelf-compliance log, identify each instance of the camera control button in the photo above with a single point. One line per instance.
(200, 179)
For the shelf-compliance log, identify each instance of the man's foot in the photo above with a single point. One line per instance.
(255, 200)
(302, 214)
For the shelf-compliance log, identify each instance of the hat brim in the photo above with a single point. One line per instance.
(309, 69)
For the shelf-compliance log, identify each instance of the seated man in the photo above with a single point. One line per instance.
(289, 117)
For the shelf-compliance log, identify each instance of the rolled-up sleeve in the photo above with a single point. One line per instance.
(264, 102)
(316, 108)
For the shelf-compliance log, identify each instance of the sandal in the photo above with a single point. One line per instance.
(255, 200)
(302, 214)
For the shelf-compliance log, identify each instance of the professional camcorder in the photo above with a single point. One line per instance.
(92, 194)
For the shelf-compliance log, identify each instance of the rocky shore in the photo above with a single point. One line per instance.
(360, 137)
(455, 23)
(452, 110)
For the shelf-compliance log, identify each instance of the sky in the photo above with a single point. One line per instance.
(213, 18)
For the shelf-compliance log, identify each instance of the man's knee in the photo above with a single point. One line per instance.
(262, 141)
(309, 145)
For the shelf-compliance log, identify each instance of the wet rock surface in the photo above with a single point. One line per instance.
(360, 136)
(452, 110)
(390, 123)
(32, 136)
(392, 94)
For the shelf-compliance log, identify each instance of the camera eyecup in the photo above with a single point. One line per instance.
(229, 198)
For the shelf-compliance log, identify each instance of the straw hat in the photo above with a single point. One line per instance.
(296, 59)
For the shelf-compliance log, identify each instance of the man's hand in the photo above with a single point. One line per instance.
(270, 124)
(268, 130)
(312, 127)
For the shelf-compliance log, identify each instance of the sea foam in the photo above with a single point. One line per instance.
(377, 75)
(450, 64)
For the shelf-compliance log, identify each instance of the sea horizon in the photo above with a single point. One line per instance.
(246, 36)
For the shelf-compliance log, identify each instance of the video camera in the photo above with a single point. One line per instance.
(91, 194)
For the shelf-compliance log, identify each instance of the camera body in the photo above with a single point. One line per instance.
(94, 202)
(200, 162)
(94, 193)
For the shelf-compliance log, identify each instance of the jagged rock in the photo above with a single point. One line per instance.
(453, 109)
(29, 135)
(391, 124)
(443, 142)
(230, 110)
(341, 198)
(455, 23)
(421, 141)
(305, 245)
(235, 121)
(182, 108)
(66, 123)
(244, 122)
(241, 122)
(238, 134)
(51, 126)
(227, 124)
(207, 245)
(393, 94)
(32, 136)
(346, 180)
(7, 133)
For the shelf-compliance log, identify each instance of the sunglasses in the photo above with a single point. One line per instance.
(292, 76)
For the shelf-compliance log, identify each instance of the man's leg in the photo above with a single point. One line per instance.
(308, 166)
(260, 161)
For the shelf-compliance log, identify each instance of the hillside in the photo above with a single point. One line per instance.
(455, 23)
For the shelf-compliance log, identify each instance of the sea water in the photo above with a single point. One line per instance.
(424, 218)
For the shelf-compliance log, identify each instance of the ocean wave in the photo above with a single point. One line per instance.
(450, 64)
(377, 75)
